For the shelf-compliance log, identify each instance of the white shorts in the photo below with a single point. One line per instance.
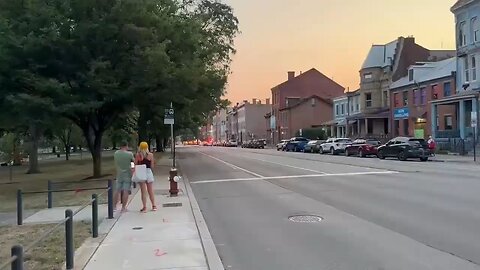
(150, 177)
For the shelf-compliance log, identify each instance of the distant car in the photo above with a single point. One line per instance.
(296, 144)
(310, 147)
(232, 143)
(281, 145)
(335, 145)
(260, 144)
(247, 144)
(317, 148)
(404, 148)
(362, 148)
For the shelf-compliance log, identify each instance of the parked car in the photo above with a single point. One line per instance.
(312, 146)
(296, 144)
(232, 143)
(247, 144)
(261, 144)
(335, 145)
(281, 145)
(317, 148)
(404, 148)
(362, 148)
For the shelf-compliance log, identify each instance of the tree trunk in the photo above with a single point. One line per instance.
(142, 128)
(158, 142)
(97, 157)
(33, 151)
(67, 152)
(94, 143)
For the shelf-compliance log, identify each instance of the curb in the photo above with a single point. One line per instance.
(213, 259)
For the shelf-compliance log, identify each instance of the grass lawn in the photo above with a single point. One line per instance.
(48, 254)
(56, 170)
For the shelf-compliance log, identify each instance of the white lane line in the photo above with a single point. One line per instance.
(291, 177)
(233, 166)
(286, 165)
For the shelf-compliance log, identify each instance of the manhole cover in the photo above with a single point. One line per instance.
(305, 219)
(137, 228)
(172, 204)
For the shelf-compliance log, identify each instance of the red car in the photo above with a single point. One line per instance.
(363, 148)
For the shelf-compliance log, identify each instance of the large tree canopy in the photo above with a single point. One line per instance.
(91, 61)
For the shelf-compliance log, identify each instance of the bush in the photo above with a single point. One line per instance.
(313, 133)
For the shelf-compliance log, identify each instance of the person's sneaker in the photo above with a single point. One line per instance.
(154, 208)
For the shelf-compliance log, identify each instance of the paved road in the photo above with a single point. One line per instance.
(378, 214)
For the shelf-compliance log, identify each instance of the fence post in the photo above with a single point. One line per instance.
(110, 199)
(94, 216)
(18, 252)
(69, 247)
(49, 194)
(19, 207)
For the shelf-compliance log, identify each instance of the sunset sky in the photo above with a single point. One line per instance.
(333, 36)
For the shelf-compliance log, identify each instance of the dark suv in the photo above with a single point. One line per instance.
(404, 148)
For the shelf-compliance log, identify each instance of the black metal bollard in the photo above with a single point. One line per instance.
(49, 194)
(69, 247)
(94, 216)
(19, 207)
(18, 252)
(110, 199)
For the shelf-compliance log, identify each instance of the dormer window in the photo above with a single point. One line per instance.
(475, 29)
(410, 75)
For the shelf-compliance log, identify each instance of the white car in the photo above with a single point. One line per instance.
(281, 145)
(232, 143)
(335, 145)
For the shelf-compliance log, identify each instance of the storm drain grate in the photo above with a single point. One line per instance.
(306, 219)
(172, 204)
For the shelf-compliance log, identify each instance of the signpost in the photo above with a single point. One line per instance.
(170, 120)
(474, 126)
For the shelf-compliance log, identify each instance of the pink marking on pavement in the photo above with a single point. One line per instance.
(159, 253)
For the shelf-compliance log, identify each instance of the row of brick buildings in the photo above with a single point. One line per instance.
(405, 90)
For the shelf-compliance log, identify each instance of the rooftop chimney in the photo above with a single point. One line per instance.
(259, 102)
(254, 101)
(245, 101)
(267, 101)
(291, 75)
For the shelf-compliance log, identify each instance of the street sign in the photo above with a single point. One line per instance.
(169, 117)
(473, 119)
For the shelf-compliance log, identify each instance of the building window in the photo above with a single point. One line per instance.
(435, 91)
(397, 127)
(368, 100)
(405, 98)
(368, 76)
(462, 34)
(386, 102)
(474, 67)
(405, 127)
(395, 100)
(475, 29)
(423, 96)
(357, 104)
(416, 97)
(447, 89)
(466, 70)
(448, 122)
(343, 109)
(410, 74)
(370, 127)
(337, 109)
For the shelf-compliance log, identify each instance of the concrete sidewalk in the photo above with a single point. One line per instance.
(174, 237)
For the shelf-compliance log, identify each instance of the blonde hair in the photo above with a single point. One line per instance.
(143, 149)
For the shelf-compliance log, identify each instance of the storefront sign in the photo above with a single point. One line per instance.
(401, 113)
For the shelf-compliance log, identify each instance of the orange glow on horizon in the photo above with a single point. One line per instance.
(331, 36)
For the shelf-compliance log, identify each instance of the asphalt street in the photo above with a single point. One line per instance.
(376, 214)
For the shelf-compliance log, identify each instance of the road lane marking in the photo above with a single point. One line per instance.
(291, 177)
(233, 166)
(286, 165)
